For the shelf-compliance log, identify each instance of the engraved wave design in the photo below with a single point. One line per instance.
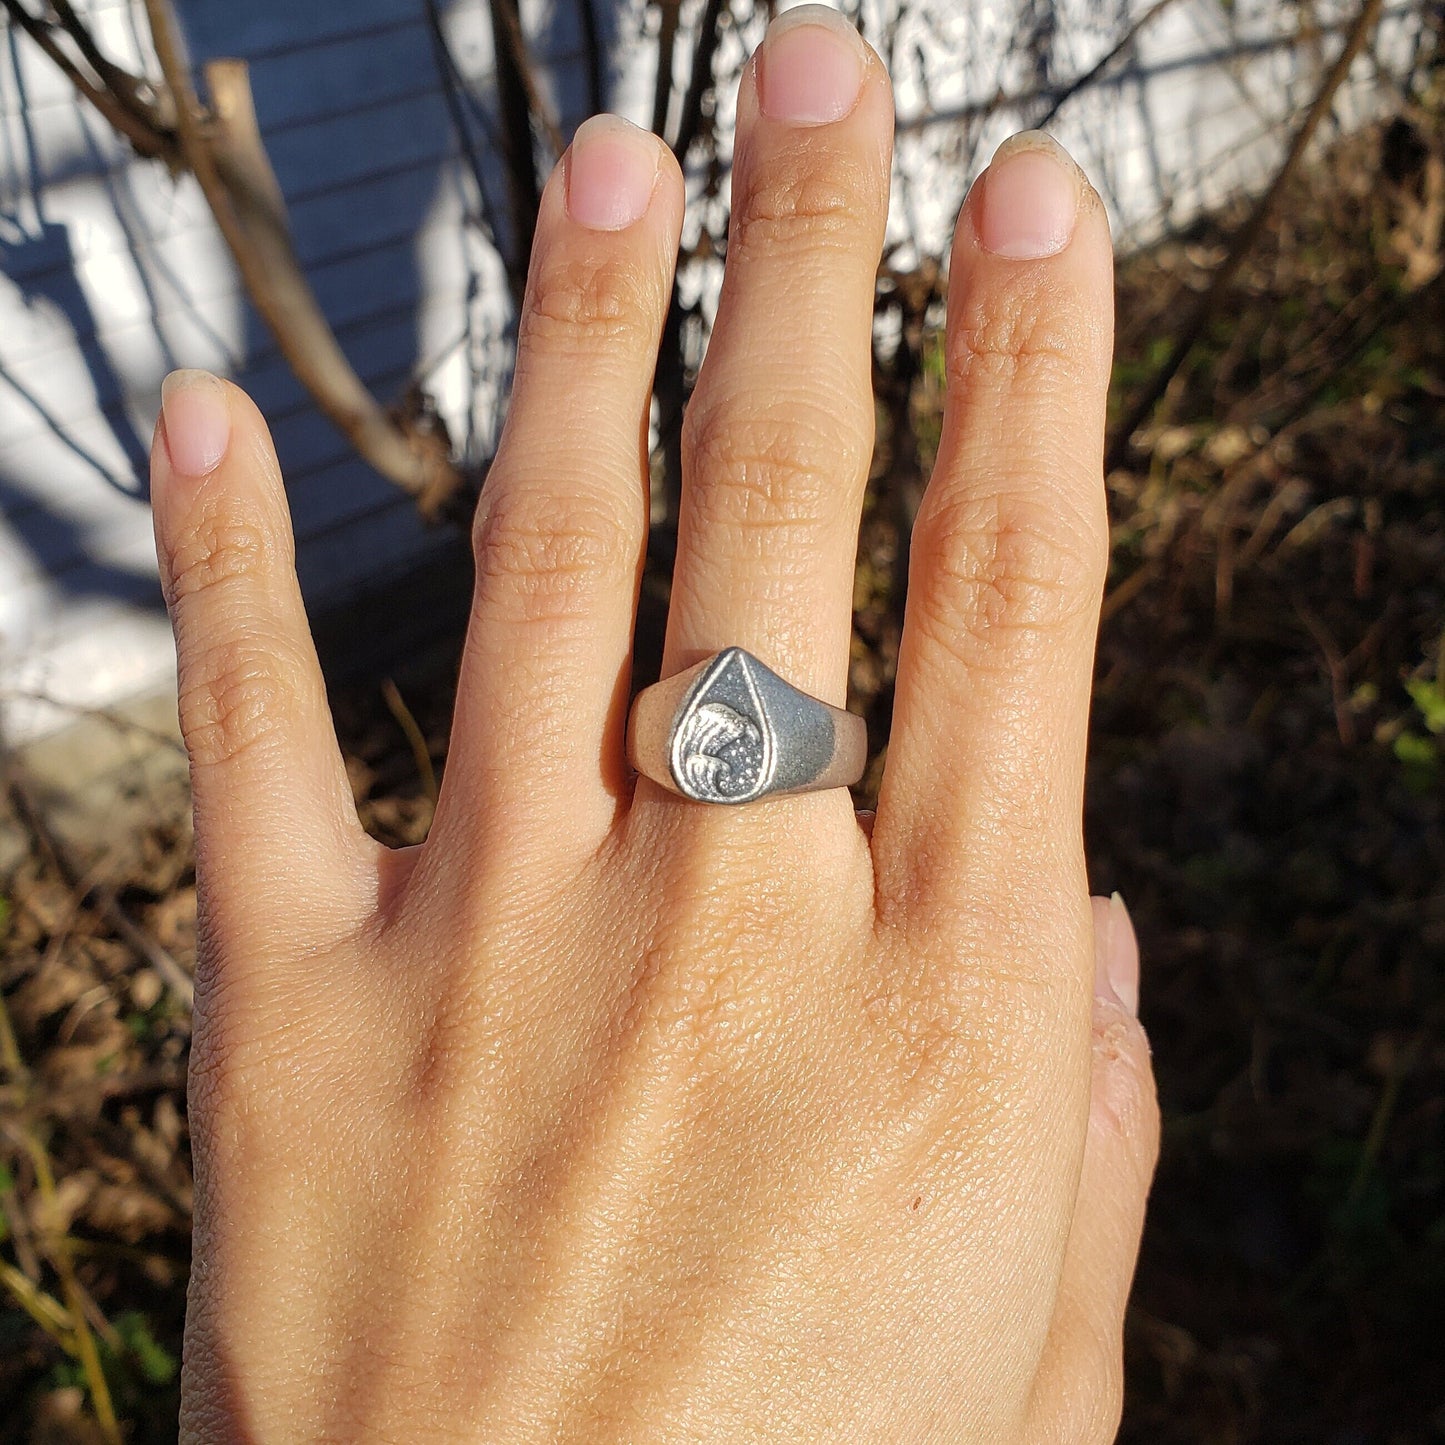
(721, 751)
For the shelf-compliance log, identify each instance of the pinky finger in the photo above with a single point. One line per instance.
(276, 831)
(1079, 1392)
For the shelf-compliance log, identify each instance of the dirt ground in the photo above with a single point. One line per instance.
(1266, 791)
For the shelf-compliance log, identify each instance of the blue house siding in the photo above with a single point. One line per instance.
(112, 273)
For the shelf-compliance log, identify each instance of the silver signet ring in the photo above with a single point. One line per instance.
(730, 730)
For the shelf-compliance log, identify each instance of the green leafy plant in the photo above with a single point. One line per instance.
(150, 1359)
(1428, 694)
(1419, 752)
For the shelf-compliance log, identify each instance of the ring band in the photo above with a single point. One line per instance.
(730, 730)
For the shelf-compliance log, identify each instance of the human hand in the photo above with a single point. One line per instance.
(604, 1115)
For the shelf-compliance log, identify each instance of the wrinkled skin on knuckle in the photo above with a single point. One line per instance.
(540, 555)
(1019, 333)
(799, 202)
(578, 305)
(210, 556)
(979, 1020)
(776, 468)
(233, 682)
(1002, 567)
(1125, 1103)
(216, 543)
(232, 692)
(721, 971)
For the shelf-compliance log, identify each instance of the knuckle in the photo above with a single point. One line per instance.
(539, 556)
(1003, 566)
(788, 206)
(217, 547)
(773, 469)
(940, 1032)
(710, 994)
(230, 689)
(1125, 1103)
(707, 1013)
(229, 698)
(579, 304)
(1009, 336)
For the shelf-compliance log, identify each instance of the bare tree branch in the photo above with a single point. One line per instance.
(523, 190)
(235, 175)
(1244, 239)
(1084, 81)
(223, 149)
(592, 43)
(670, 12)
(143, 135)
(453, 86)
(136, 94)
(700, 81)
(507, 30)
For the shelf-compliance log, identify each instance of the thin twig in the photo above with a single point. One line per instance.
(172, 974)
(48, 841)
(700, 79)
(415, 738)
(1336, 670)
(592, 44)
(43, 1308)
(1401, 1065)
(521, 59)
(15, 1221)
(1418, 302)
(452, 86)
(1084, 81)
(128, 89)
(111, 717)
(669, 14)
(670, 384)
(523, 191)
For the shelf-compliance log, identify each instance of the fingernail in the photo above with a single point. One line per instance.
(1116, 954)
(197, 422)
(1030, 198)
(810, 66)
(611, 173)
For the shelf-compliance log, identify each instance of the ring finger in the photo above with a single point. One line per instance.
(778, 436)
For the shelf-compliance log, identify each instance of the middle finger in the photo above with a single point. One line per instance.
(778, 436)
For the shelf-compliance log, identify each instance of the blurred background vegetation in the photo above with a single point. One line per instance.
(1266, 787)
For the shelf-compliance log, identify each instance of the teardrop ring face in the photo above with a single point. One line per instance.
(730, 730)
(723, 747)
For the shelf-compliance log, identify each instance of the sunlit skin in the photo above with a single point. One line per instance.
(608, 1116)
